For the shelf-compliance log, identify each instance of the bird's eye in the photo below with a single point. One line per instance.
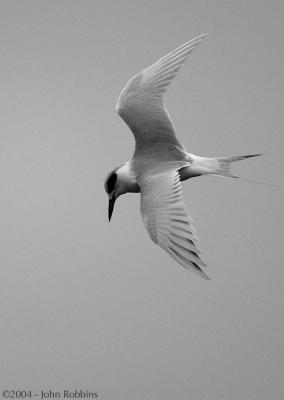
(110, 182)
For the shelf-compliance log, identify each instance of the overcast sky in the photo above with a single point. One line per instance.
(92, 305)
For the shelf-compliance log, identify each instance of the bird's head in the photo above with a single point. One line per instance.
(115, 185)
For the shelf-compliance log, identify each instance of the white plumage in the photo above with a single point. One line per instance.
(160, 161)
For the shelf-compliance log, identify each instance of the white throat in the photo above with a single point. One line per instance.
(127, 179)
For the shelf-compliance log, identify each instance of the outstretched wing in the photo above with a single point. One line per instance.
(141, 105)
(167, 220)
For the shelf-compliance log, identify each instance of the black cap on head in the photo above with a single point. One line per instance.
(110, 182)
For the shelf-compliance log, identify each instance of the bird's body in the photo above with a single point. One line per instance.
(160, 161)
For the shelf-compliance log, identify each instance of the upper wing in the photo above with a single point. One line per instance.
(141, 105)
(167, 220)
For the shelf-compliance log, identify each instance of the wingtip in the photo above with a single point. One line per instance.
(202, 36)
(206, 277)
(202, 274)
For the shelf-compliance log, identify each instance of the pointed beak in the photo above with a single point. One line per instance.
(111, 202)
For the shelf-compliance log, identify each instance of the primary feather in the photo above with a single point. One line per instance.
(141, 104)
(167, 220)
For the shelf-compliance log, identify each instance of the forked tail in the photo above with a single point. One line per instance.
(223, 164)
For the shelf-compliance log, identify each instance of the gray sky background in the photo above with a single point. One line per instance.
(92, 305)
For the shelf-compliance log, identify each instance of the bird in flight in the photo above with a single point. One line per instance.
(160, 161)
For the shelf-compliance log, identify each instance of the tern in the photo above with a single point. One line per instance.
(160, 161)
